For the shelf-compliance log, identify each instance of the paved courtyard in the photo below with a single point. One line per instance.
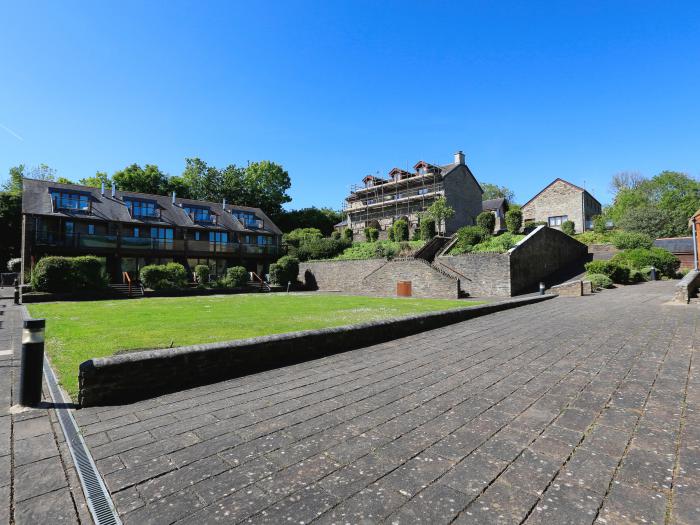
(575, 410)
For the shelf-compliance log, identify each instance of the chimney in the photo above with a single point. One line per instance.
(173, 199)
(459, 157)
(102, 189)
(114, 190)
(223, 203)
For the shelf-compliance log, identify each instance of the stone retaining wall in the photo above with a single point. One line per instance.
(139, 375)
(480, 274)
(687, 287)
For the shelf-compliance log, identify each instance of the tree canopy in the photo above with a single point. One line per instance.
(322, 218)
(493, 191)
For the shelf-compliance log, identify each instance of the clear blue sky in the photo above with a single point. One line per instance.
(334, 90)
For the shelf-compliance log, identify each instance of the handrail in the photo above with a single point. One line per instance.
(125, 276)
(263, 284)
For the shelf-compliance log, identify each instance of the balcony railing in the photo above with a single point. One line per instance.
(75, 240)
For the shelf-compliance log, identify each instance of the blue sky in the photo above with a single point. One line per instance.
(335, 90)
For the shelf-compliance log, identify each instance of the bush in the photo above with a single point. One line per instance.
(639, 258)
(415, 236)
(400, 230)
(373, 250)
(335, 235)
(164, 276)
(371, 234)
(390, 233)
(514, 220)
(201, 272)
(68, 274)
(631, 240)
(427, 228)
(347, 234)
(285, 270)
(619, 273)
(14, 265)
(599, 224)
(236, 277)
(314, 249)
(499, 244)
(468, 237)
(295, 237)
(599, 281)
(486, 220)
(568, 227)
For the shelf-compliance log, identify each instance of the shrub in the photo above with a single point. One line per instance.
(372, 250)
(236, 277)
(400, 230)
(630, 240)
(371, 234)
(415, 236)
(314, 249)
(201, 272)
(164, 276)
(68, 274)
(468, 237)
(599, 281)
(499, 244)
(599, 224)
(14, 265)
(285, 270)
(54, 274)
(390, 234)
(335, 235)
(568, 227)
(639, 258)
(347, 234)
(514, 220)
(486, 220)
(619, 273)
(427, 228)
(295, 237)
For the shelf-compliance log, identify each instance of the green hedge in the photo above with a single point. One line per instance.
(285, 270)
(164, 276)
(619, 273)
(631, 240)
(67, 274)
(514, 220)
(486, 220)
(236, 277)
(427, 228)
(599, 280)
(400, 228)
(314, 249)
(468, 237)
(371, 234)
(568, 227)
(201, 271)
(640, 258)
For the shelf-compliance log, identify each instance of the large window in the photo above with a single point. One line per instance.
(218, 237)
(264, 240)
(139, 208)
(70, 201)
(248, 218)
(162, 237)
(558, 220)
(198, 214)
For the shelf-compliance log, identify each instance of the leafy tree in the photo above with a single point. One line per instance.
(493, 191)
(514, 220)
(440, 212)
(625, 180)
(599, 225)
(266, 185)
(654, 221)
(400, 228)
(11, 230)
(97, 180)
(322, 218)
(148, 179)
(486, 220)
(427, 228)
(64, 180)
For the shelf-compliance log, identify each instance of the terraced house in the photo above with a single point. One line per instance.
(130, 230)
(380, 202)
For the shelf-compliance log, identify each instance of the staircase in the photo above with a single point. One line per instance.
(122, 290)
(431, 248)
(257, 283)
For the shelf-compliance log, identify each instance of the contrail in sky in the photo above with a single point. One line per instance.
(15, 135)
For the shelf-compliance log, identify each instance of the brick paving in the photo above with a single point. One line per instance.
(576, 410)
(38, 483)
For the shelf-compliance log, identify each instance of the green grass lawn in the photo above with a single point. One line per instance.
(78, 331)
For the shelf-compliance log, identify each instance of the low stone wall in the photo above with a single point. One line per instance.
(480, 274)
(542, 253)
(687, 287)
(139, 375)
(378, 277)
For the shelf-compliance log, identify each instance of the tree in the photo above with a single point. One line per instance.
(148, 179)
(486, 220)
(97, 180)
(625, 180)
(514, 220)
(64, 180)
(322, 218)
(266, 184)
(654, 221)
(440, 212)
(427, 228)
(493, 191)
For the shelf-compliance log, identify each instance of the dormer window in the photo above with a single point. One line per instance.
(199, 214)
(141, 208)
(248, 219)
(65, 200)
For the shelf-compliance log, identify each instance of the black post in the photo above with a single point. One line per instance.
(16, 291)
(32, 363)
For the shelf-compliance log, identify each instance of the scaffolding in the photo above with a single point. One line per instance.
(409, 195)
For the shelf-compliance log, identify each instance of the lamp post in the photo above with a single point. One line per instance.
(32, 362)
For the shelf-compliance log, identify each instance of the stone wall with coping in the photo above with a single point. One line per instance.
(480, 274)
(687, 287)
(338, 276)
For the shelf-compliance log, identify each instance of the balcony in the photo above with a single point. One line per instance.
(148, 244)
(254, 224)
(258, 249)
(76, 240)
(215, 247)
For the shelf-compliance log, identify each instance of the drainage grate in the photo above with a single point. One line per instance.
(96, 494)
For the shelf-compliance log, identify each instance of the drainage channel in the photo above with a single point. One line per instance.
(98, 499)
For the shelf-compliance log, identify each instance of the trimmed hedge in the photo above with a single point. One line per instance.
(314, 249)
(568, 227)
(285, 270)
(236, 277)
(201, 272)
(631, 240)
(68, 274)
(514, 220)
(598, 280)
(400, 228)
(164, 276)
(467, 237)
(640, 258)
(617, 272)
(486, 220)
(427, 228)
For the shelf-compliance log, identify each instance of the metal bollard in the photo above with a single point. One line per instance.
(16, 291)
(32, 363)
(653, 273)
(542, 288)
(289, 284)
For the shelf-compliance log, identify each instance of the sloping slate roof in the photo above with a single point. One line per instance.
(675, 244)
(559, 179)
(492, 204)
(36, 200)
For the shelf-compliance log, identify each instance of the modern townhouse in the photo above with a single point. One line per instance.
(130, 230)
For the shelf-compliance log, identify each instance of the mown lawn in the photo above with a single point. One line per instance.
(78, 331)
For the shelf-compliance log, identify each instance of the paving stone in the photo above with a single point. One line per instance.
(473, 474)
(647, 468)
(500, 504)
(302, 507)
(166, 510)
(53, 507)
(38, 478)
(237, 507)
(32, 427)
(34, 448)
(231, 480)
(589, 469)
(565, 504)
(371, 505)
(417, 473)
(435, 504)
(628, 504)
(178, 479)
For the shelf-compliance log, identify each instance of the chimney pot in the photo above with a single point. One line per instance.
(224, 203)
(102, 189)
(459, 157)
(114, 190)
(173, 198)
